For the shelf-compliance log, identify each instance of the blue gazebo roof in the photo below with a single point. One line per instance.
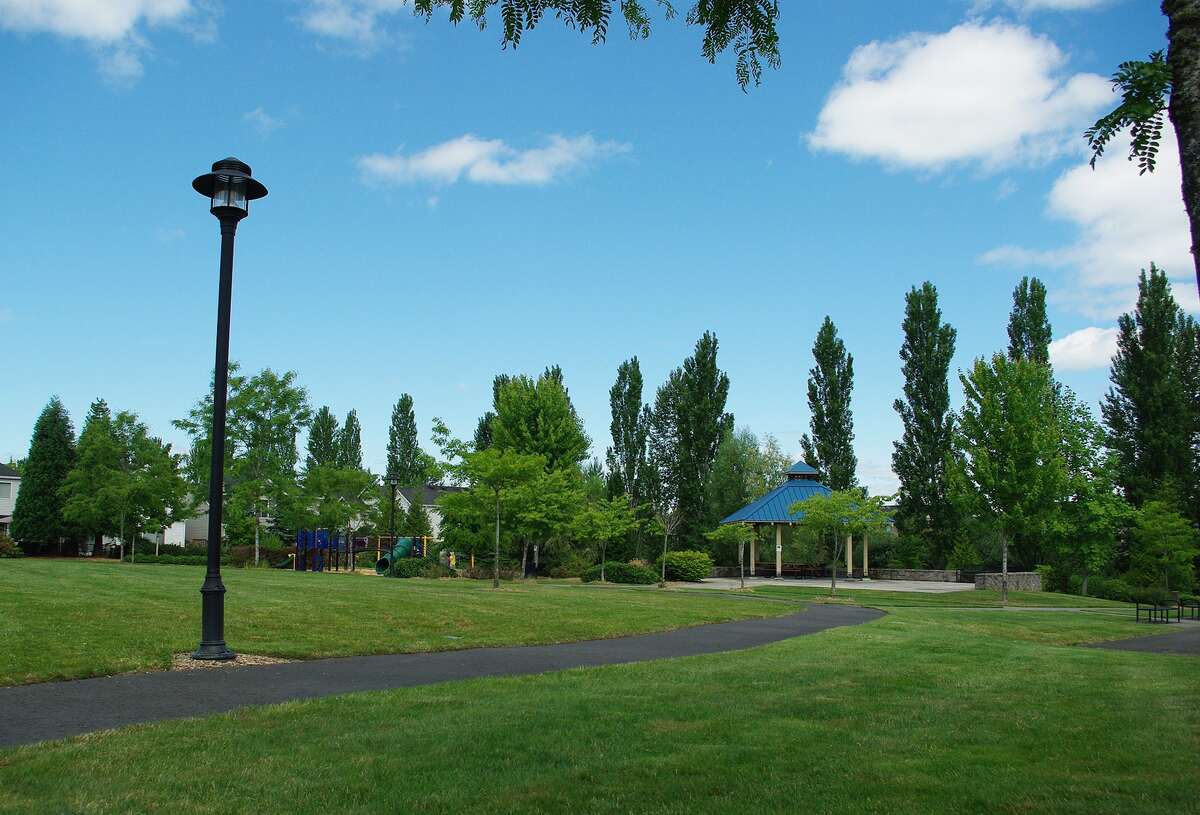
(773, 508)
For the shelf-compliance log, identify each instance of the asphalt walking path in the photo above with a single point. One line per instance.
(55, 710)
(1186, 641)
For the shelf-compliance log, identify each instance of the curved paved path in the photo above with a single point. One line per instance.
(54, 710)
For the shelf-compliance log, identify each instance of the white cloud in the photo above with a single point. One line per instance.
(487, 161)
(111, 27)
(263, 122)
(1054, 5)
(1124, 221)
(1085, 349)
(351, 21)
(986, 94)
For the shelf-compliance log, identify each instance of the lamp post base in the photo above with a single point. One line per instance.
(212, 623)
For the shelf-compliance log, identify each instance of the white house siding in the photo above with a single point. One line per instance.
(8, 499)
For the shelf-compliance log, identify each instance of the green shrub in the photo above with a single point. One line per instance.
(1155, 596)
(175, 560)
(687, 565)
(1106, 588)
(571, 564)
(484, 572)
(433, 569)
(8, 548)
(407, 567)
(617, 572)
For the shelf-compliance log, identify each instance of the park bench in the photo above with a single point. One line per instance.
(1156, 613)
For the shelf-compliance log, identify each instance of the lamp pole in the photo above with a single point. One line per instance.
(230, 188)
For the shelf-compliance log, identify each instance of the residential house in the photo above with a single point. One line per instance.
(428, 495)
(10, 484)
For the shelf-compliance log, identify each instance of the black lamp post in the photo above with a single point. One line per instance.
(230, 190)
(392, 482)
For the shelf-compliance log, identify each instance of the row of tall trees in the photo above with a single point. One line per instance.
(1025, 468)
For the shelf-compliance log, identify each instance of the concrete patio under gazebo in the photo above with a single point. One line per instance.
(773, 509)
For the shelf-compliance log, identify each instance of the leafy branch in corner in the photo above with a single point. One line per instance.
(1144, 86)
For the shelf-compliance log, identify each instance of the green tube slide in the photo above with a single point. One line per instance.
(403, 548)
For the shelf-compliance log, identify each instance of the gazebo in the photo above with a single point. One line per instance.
(774, 509)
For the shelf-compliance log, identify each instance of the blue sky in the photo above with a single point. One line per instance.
(442, 210)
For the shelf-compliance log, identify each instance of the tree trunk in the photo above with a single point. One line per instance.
(662, 581)
(833, 568)
(742, 563)
(496, 554)
(1004, 570)
(1083, 588)
(524, 559)
(256, 536)
(1183, 59)
(603, 550)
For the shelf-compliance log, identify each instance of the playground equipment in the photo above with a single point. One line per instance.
(404, 547)
(318, 551)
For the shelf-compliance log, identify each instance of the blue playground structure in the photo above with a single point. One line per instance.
(317, 550)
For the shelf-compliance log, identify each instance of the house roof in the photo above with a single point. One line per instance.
(8, 472)
(774, 506)
(429, 493)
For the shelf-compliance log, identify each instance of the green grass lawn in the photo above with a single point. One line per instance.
(979, 598)
(66, 620)
(921, 712)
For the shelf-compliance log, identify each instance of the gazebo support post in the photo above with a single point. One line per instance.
(866, 555)
(753, 548)
(849, 556)
(779, 550)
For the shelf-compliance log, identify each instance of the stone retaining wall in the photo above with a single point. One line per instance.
(929, 575)
(1017, 581)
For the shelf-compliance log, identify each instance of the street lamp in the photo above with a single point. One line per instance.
(392, 482)
(230, 190)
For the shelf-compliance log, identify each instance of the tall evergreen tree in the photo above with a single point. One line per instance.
(416, 519)
(405, 458)
(1148, 411)
(629, 429)
(322, 440)
(830, 448)
(38, 521)
(686, 428)
(349, 443)
(1028, 326)
(925, 512)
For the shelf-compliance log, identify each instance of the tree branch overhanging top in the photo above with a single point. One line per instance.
(746, 26)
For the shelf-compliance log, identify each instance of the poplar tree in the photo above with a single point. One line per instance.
(349, 443)
(686, 427)
(1150, 410)
(37, 517)
(322, 440)
(925, 512)
(629, 429)
(405, 458)
(1028, 326)
(830, 448)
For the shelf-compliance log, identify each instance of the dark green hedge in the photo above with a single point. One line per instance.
(617, 572)
(687, 565)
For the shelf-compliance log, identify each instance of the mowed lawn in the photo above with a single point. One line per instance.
(64, 619)
(923, 711)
